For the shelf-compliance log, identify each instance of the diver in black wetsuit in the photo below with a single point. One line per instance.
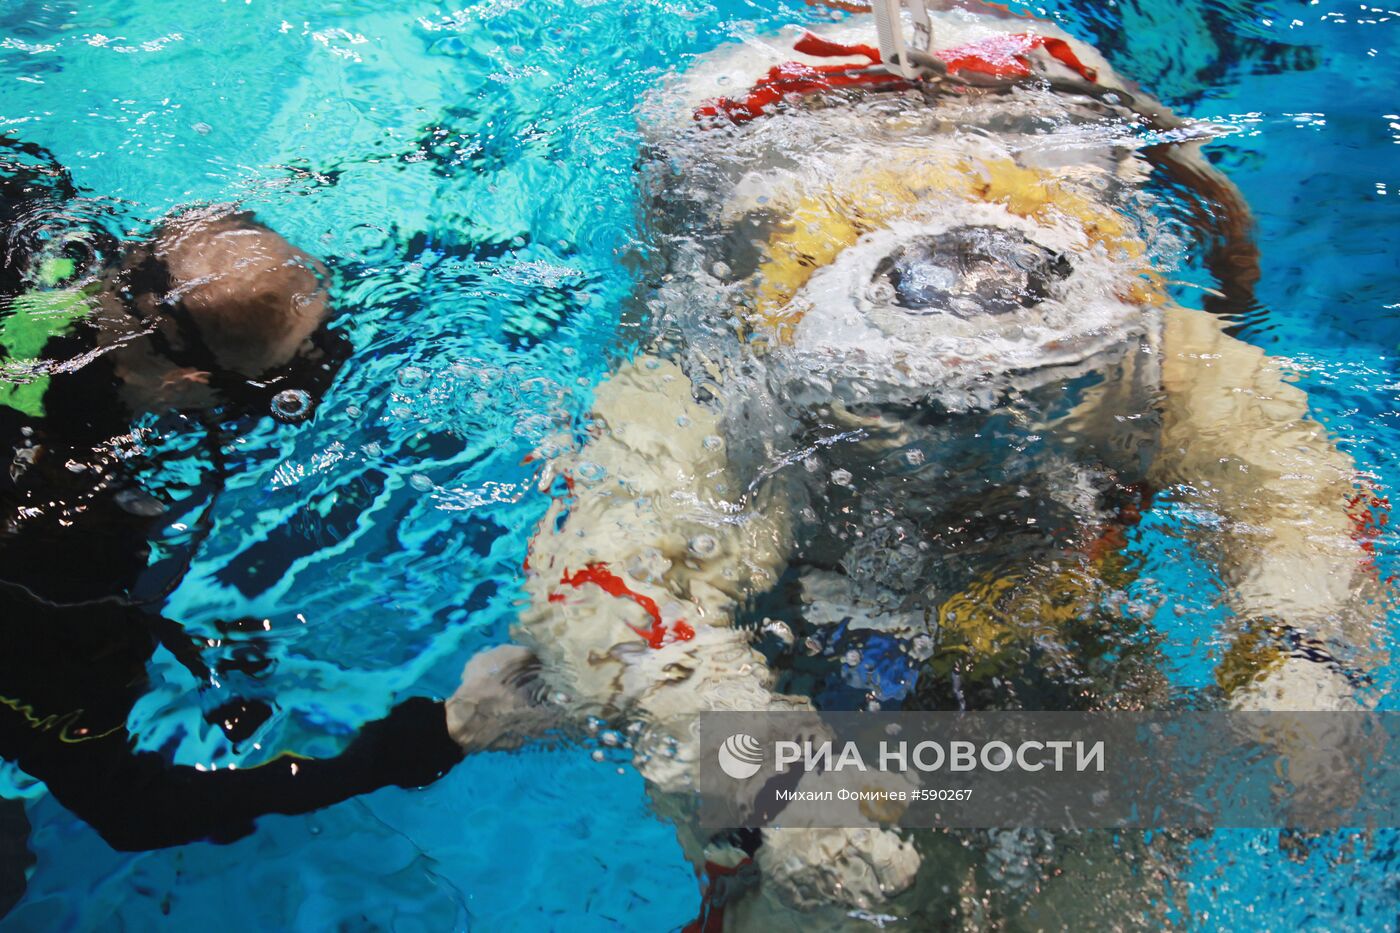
(214, 318)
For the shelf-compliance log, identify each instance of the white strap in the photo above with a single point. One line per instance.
(894, 50)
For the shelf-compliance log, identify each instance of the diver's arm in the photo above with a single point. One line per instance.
(1237, 440)
(65, 726)
(138, 800)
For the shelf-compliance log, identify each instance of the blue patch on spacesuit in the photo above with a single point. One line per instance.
(882, 669)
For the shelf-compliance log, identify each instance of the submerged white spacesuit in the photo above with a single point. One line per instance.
(913, 350)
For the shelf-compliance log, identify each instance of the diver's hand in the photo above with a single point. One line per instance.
(501, 701)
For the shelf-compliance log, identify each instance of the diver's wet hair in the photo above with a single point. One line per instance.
(150, 275)
(226, 296)
(311, 371)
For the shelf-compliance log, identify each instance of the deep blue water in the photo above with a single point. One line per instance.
(469, 172)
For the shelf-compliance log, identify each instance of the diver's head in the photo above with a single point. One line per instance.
(229, 289)
(212, 300)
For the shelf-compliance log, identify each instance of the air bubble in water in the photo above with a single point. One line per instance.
(291, 405)
(411, 377)
(882, 293)
(779, 630)
(841, 477)
(590, 472)
(420, 482)
(703, 545)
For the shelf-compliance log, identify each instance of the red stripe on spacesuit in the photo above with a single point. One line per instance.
(711, 919)
(1000, 56)
(813, 44)
(1062, 52)
(600, 576)
(1004, 56)
(1369, 514)
(792, 78)
(1113, 537)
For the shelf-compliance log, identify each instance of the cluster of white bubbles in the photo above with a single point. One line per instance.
(478, 401)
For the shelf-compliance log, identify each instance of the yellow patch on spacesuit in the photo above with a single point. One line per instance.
(1003, 610)
(1255, 653)
(822, 225)
(996, 611)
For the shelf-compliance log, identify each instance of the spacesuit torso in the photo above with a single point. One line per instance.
(943, 321)
(921, 500)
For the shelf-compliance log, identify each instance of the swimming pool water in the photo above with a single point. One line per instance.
(469, 174)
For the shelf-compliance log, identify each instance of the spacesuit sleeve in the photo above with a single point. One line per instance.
(632, 583)
(634, 575)
(1238, 443)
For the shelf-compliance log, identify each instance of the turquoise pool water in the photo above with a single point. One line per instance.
(470, 173)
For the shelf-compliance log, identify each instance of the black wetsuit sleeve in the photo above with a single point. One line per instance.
(68, 678)
(138, 800)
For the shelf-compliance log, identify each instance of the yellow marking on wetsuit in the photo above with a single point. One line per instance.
(822, 225)
(63, 722)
